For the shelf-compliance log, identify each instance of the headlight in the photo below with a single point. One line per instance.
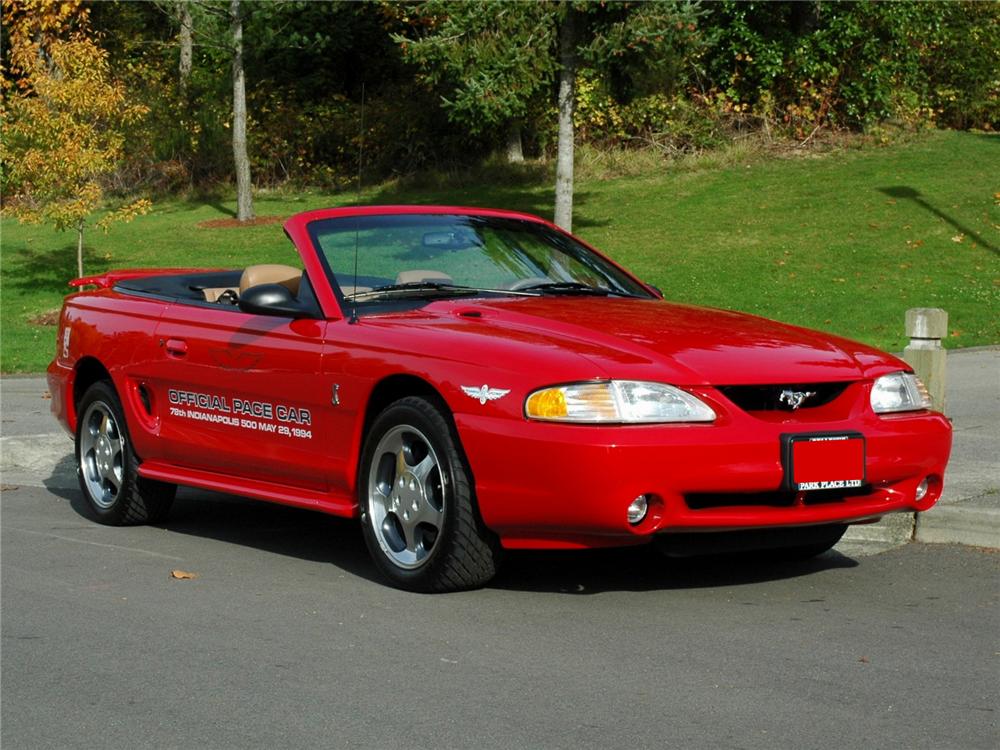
(616, 401)
(899, 391)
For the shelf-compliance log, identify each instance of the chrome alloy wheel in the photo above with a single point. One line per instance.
(102, 454)
(406, 491)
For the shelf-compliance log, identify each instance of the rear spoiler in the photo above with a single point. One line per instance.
(109, 279)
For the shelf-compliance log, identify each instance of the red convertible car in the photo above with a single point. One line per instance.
(466, 381)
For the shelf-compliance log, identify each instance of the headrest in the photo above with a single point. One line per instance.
(271, 273)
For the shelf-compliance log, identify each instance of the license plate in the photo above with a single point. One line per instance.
(827, 461)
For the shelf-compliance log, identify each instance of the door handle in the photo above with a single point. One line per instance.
(176, 347)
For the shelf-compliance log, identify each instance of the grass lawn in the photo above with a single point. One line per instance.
(843, 242)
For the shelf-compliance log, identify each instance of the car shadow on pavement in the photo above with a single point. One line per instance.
(278, 529)
(646, 569)
(317, 537)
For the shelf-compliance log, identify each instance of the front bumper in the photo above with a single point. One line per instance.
(562, 486)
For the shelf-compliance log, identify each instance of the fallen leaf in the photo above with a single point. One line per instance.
(864, 660)
(8, 487)
(46, 396)
(958, 238)
(183, 575)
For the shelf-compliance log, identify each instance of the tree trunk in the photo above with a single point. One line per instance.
(186, 47)
(805, 17)
(567, 100)
(515, 154)
(244, 194)
(79, 249)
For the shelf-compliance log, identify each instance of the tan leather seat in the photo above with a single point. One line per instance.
(271, 273)
(408, 277)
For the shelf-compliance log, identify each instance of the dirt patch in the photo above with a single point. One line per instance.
(260, 221)
(48, 318)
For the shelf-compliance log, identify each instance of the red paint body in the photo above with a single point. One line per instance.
(539, 485)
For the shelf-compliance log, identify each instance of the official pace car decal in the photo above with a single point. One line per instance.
(243, 414)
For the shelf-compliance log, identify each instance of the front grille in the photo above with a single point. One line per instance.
(777, 499)
(769, 397)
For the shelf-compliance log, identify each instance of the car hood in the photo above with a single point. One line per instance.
(631, 338)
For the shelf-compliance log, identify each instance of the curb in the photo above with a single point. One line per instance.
(942, 524)
(950, 524)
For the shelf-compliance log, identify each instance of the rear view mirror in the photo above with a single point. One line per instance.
(449, 240)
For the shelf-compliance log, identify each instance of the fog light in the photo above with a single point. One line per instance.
(638, 508)
(922, 489)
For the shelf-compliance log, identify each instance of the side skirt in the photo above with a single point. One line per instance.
(337, 505)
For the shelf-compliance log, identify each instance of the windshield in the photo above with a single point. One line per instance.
(431, 256)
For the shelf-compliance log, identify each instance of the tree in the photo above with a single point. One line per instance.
(217, 29)
(491, 61)
(567, 102)
(494, 58)
(186, 46)
(244, 187)
(62, 134)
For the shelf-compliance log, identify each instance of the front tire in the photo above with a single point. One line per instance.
(108, 468)
(418, 515)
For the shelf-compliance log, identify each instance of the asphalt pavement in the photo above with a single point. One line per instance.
(283, 636)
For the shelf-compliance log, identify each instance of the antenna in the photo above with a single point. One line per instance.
(357, 219)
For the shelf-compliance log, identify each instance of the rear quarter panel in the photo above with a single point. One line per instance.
(114, 330)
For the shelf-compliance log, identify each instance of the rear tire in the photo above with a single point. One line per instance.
(108, 468)
(418, 515)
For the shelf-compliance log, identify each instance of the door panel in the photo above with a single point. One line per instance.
(242, 394)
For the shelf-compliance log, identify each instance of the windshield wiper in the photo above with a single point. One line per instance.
(414, 289)
(574, 287)
(433, 288)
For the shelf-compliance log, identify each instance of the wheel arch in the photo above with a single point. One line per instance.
(87, 371)
(393, 388)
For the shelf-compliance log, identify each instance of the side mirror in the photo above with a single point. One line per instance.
(656, 289)
(272, 299)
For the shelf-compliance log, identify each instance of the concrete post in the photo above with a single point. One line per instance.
(926, 326)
